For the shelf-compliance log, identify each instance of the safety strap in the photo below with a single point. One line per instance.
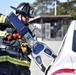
(2, 18)
(15, 61)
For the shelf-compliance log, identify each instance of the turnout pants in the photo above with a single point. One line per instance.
(7, 68)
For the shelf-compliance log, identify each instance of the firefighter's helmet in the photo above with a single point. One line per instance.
(25, 9)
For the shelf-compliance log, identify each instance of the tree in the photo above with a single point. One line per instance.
(43, 6)
(48, 7)
(68, 7)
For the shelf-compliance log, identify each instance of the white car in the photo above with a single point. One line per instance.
(65, 63)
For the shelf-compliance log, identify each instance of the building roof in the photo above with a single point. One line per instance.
(48, 18)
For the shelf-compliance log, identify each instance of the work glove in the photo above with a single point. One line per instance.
(25, 48)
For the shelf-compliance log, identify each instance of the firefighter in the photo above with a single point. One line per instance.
(14, 59)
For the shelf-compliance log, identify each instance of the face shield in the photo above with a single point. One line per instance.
(32, 12)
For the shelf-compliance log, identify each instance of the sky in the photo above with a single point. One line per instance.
(5, 5)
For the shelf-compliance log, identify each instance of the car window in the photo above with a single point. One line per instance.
(74, 41)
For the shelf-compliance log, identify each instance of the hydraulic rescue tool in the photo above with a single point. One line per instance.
(36, 46)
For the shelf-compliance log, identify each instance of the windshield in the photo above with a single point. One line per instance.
(62, 45)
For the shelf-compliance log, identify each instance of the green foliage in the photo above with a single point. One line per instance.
(73, 14)
(63, 8)
(43, 6)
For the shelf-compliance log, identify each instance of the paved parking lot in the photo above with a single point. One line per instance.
(54, 45)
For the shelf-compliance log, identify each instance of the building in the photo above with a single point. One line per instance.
(52, 26)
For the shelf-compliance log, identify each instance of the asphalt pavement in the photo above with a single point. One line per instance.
(54, 45)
